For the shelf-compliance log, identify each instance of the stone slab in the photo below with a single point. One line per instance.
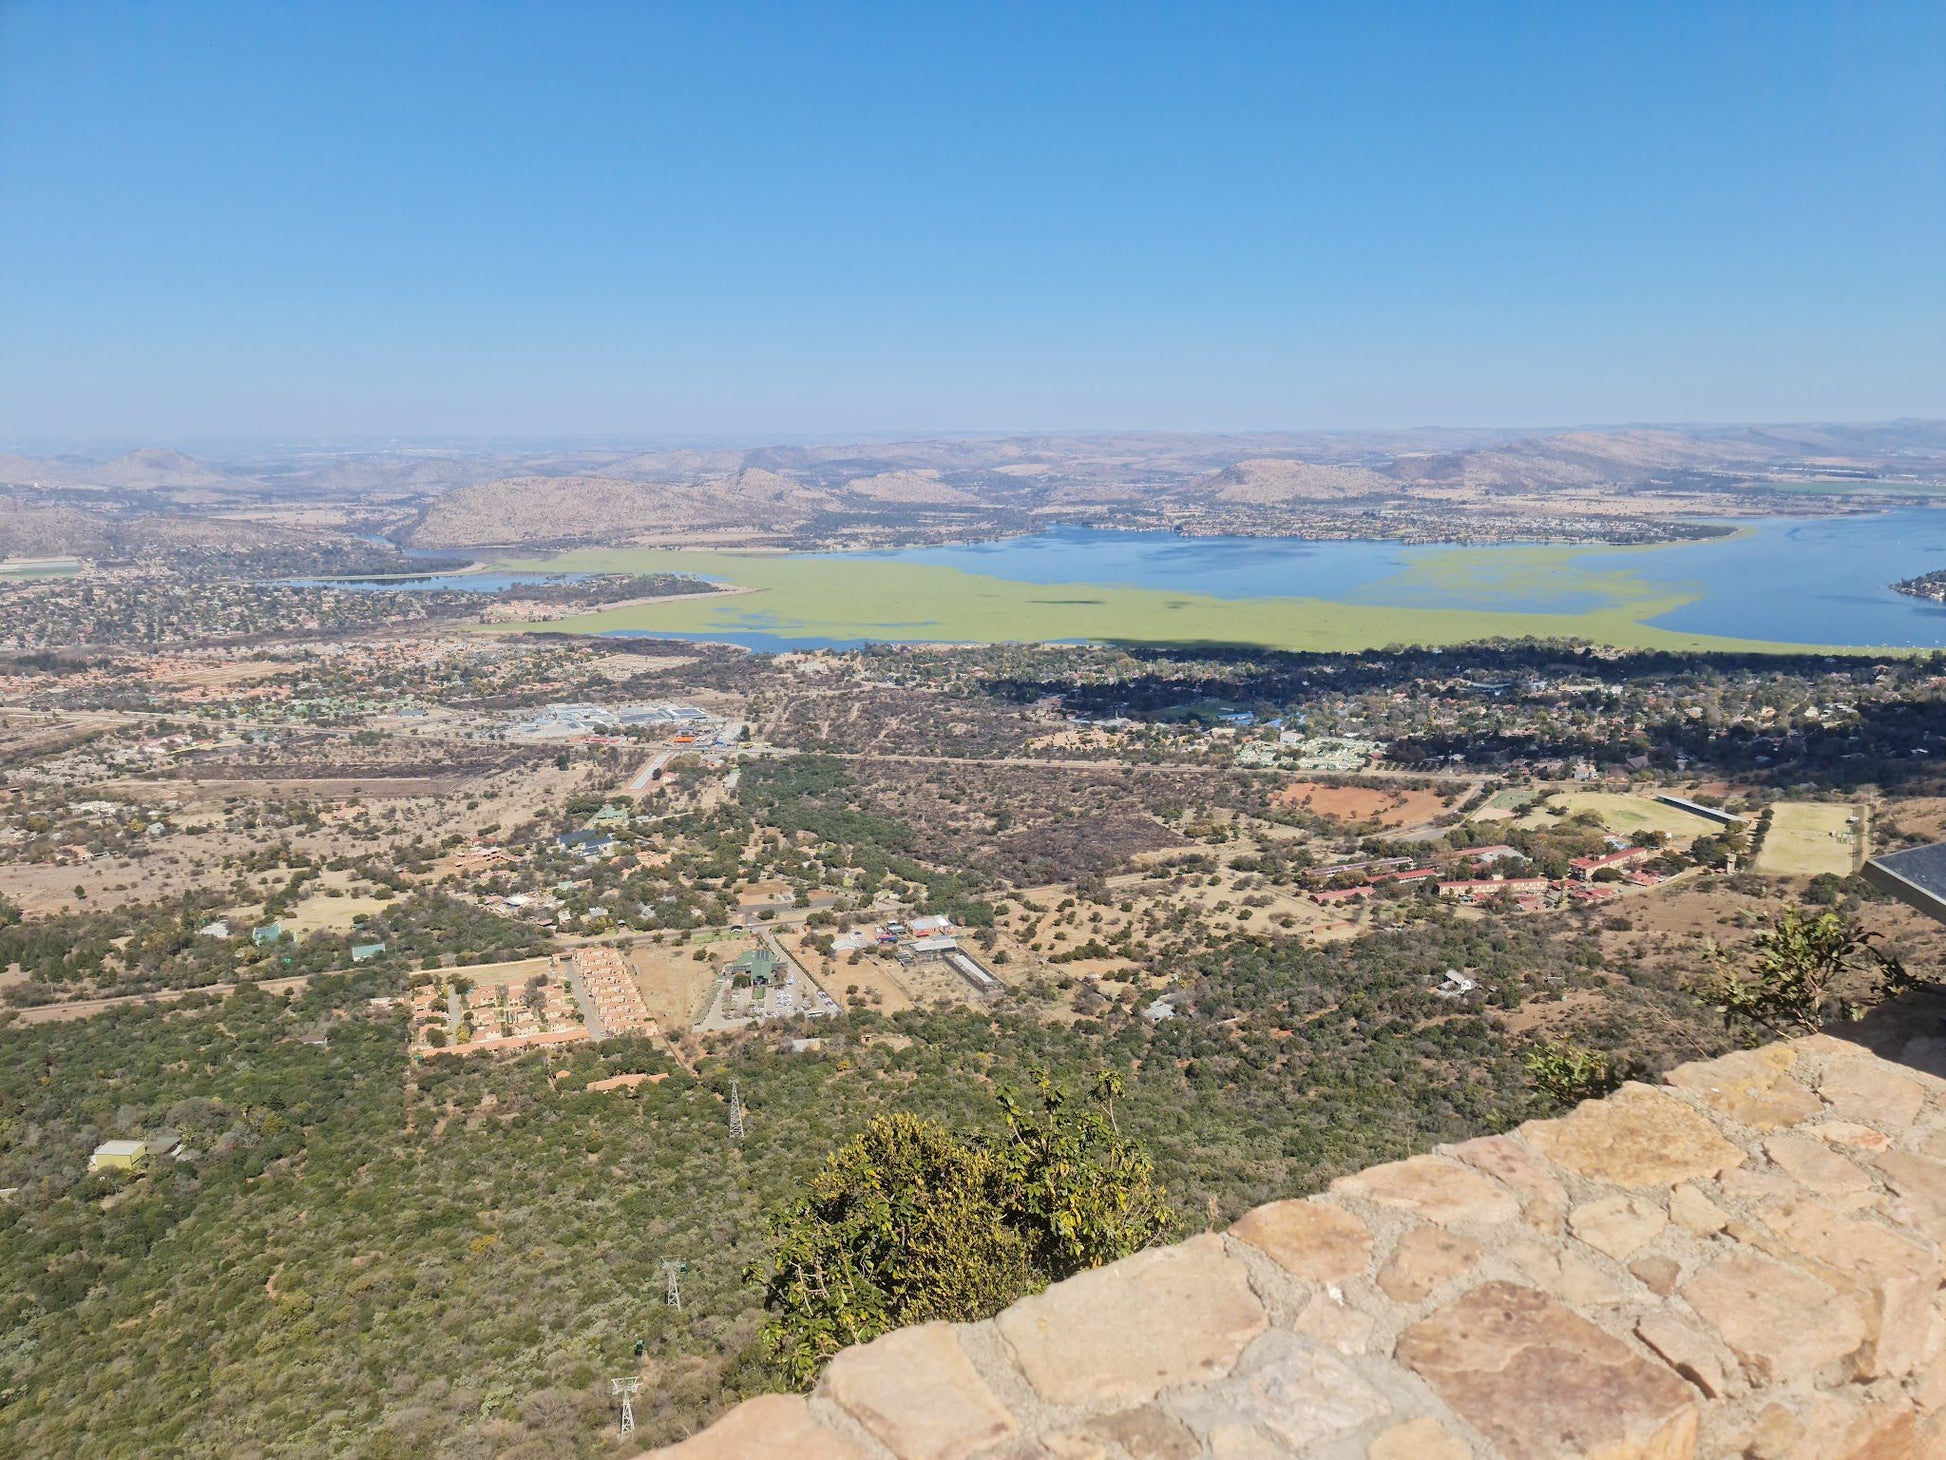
(1815, 1165)
(1637, 1137)
(1753, 1087)
(1543, 1383)
(1544, 1200)
(919, 1395)
(1323, 1243)
(771, 1424)
(1288, 1390)
(1781, 1324)
(1137, 1434)
(1432, 1188)
(1620, 1226)
(1424, 1438)
(1116, 1337)
(1869, 1093)
(1425, 1260)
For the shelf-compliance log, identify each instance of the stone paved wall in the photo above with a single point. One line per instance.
(1744, 1261)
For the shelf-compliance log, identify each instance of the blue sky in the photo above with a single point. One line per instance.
(286, 221)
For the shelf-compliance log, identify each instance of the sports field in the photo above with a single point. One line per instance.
(813, 598)
(1504, 806)
(1623, 814)
(1809, 837)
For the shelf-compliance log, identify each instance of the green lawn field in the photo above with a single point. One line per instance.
(1809, 837)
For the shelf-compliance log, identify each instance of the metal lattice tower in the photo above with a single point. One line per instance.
(671, 1287)
(736, 1112)
(622, 1389)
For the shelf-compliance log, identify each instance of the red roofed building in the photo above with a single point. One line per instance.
(1418, 875)
(1481, 888)
(1586, 867)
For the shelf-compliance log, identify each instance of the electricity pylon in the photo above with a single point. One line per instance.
(622, 1389)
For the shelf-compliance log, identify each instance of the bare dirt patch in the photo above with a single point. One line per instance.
(673, 983)
(1388, 806)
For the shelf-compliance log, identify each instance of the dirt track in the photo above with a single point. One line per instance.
(86, 1008)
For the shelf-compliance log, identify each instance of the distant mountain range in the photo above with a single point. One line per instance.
(508, 497)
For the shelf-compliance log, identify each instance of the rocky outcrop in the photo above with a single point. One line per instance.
(1744, 1261)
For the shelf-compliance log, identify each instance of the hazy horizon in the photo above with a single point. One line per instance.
(223, 448)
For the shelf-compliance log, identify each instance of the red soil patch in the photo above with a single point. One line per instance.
(1352, 804)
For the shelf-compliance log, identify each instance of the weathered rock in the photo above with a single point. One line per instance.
(1883, 1432)
(1656, 1273)
(1928, 1436)
(1328, 1321)
(1849, 1133)
(1694, 1212)
(1142, 1434)
(1780, 1323)
(1544, 1201)
(1753, 1087)
(1617, 1225)
(1871, 1094)
(1877, 1427)
(1686, 1349)
(1566, 1273)
(1542, 1383)
(1920, 1182)
(1239, 1441)
(1116, 1337)
(1816, 1166)
(1288, 1390)
(919, 1395)
(1426, 1258)
(1758, 1186)
(1637, 1137)
(1433, 1188)
(1424, 1438)
(1897, 1277)
(772, 1424)
(1311, 1239)
(1773, 1433)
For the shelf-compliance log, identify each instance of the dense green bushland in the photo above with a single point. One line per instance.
(909, 1223)
(141, 947)
(366, 1257)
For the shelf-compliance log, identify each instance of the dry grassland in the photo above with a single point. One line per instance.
(673, 984)
(496, 975)
(1621, 813)
(1810, 837)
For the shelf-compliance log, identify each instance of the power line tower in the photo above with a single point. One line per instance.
(622, 1389)
(671, 1287)
(736, 1112)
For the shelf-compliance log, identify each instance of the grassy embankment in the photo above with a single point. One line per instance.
(848, 598)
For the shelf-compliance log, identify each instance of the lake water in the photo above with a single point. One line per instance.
(1790, 580)
(1794, 580)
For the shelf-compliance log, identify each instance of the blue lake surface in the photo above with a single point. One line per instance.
(1816, 581)
(1823, 580)
(1795, 580)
